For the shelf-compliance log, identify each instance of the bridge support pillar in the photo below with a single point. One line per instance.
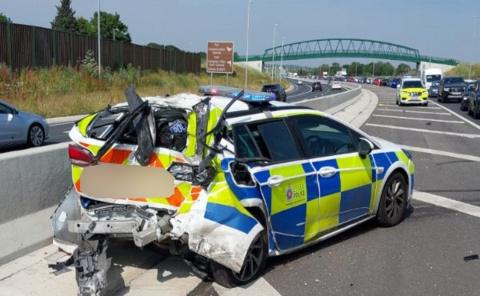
(417, 68)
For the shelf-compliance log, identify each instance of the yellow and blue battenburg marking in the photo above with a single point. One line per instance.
(223, 207)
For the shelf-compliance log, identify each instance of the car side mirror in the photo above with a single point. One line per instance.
(365, 147)
(14, 111)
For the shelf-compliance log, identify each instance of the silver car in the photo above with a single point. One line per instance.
(18, 127)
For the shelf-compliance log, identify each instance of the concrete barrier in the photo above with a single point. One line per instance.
(34, 181)
(31, 181)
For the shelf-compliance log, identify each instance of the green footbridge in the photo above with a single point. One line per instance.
(346, 48)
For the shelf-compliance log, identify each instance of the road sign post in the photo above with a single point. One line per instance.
(220, 57)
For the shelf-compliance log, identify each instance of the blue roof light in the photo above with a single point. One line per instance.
(251, 96)
(230, 92)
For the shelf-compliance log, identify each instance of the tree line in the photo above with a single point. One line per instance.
(355, 69)
(111, 26)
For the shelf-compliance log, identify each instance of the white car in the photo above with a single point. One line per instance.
(299, 82)
(336, 86)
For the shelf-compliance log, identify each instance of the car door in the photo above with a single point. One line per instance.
(345, 179)
(286, 180)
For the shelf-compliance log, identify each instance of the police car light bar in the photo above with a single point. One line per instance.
(231, 92)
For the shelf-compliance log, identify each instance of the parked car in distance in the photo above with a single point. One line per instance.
(433, 90)
(377, 82)
(474, 101)
(317, 86)
(451, 88)
(299, 82)
(336, 86)
(351, 79)
(394, 82)
(469, 88)
(19, 128)
(277, 89)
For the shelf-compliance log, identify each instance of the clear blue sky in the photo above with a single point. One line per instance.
(446, 28)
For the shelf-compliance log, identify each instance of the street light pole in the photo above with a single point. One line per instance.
(281, 58)
(249, 2)
(273, 49)
(98, 39)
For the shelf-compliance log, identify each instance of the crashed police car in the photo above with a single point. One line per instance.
(225, 181)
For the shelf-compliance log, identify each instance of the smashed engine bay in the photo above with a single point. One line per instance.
(151, 171)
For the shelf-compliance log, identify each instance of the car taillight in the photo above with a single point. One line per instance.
(79, 155)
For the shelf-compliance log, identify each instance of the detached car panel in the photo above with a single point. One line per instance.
(224, 182)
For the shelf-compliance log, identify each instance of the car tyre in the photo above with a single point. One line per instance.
(476, 114)
(256, 256)
(36, 135)
(393, 201)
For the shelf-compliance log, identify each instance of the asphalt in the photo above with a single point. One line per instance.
(428, 253)
(304, 91)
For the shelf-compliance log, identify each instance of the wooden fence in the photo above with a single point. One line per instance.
(29, 46)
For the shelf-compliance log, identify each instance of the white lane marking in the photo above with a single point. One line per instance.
(448, 203)
(413, 111)
(442, 153)
(458, 115)
(417, 118)
(411, 107)
(470, 136)
(62, 123)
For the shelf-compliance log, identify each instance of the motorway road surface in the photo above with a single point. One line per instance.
(434, 251)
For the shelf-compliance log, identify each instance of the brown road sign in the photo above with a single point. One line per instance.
(220, 57)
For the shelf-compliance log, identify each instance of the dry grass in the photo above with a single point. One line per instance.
(61, 91)
(464, 70)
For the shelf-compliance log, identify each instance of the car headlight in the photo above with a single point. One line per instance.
(446, 89)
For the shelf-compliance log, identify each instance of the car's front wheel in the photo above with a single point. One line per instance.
(393, 202)
(253, 265)
(36, 136)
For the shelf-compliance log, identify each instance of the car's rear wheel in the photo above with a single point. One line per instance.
(36, 135)
(393, 202)
(253, 265)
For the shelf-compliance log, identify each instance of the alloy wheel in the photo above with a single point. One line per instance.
(36, 135)
(394, 199)
(253, 261)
